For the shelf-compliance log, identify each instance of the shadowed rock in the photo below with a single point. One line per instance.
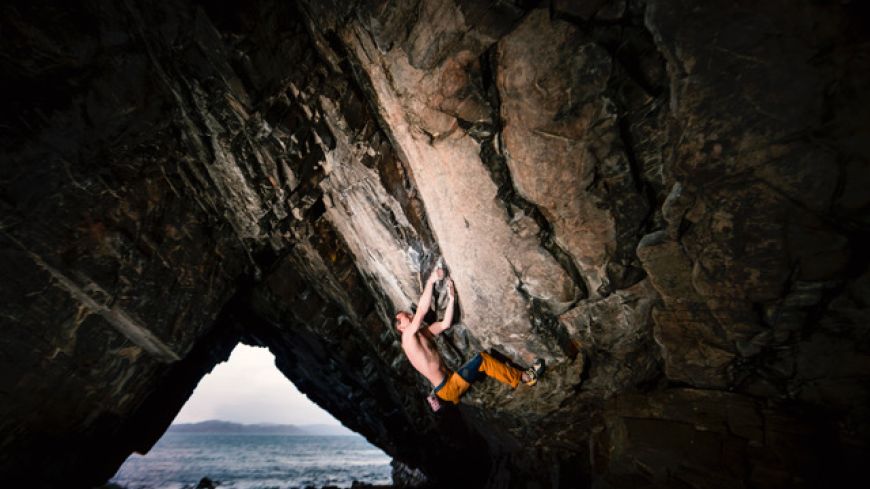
(665, 200)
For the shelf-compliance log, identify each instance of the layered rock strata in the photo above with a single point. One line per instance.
(665, 200)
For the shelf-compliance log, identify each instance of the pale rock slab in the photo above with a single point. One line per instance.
(562, 142)
(488, 261)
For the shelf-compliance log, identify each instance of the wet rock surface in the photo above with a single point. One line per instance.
(665, 200)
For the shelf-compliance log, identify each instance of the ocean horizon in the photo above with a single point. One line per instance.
(221, 426)
(180, 459)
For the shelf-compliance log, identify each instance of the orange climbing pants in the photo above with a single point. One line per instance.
(456, 383)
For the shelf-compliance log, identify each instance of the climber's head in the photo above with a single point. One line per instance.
(403, 319)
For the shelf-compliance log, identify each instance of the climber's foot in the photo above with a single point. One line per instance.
(533, 373)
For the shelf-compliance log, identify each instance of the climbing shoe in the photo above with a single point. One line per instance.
(535, 371)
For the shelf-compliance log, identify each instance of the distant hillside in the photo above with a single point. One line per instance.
(217, 426)
(326, 430)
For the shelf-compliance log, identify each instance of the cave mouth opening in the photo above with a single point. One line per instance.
(246, 424)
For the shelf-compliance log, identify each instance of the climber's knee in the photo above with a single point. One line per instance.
(471, 371)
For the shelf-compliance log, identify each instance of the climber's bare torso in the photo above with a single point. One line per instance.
(417, 339)
(423, 355)
(419, 347)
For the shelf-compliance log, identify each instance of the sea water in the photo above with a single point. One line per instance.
(255, 461)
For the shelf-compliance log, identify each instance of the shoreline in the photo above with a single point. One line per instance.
(207, 483)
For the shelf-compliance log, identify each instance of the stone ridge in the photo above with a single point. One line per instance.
(666, 200)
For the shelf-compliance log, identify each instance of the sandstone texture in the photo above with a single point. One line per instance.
(666, 200)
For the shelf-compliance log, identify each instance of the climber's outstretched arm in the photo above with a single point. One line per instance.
(444, 324)
(425, 301)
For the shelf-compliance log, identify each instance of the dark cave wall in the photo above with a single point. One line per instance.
(666, 200)
(122, 238)
(94, 215)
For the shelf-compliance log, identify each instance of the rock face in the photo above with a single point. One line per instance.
(665, 200)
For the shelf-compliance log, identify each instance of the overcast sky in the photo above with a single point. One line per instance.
(248, 388)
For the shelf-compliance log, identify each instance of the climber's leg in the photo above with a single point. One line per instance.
(452, 388)
(481, 364)
(499, 370)
(471, 370)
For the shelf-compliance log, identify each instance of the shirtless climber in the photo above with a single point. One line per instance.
(421, 352)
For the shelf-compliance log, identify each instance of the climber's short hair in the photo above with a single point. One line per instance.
(399, 313)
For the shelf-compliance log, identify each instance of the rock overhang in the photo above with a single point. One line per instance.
(602, 198)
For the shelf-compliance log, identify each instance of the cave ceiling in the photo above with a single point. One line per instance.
(665, 200)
